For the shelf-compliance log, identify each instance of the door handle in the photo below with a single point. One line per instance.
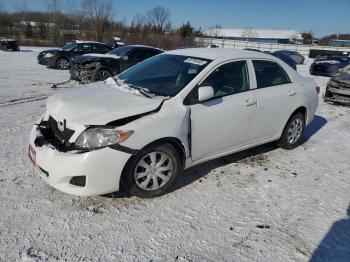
(250, 102)
(292, 93)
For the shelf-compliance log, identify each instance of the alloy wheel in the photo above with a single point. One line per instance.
(295, 130)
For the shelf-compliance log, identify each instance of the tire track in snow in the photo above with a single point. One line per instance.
(22, 101)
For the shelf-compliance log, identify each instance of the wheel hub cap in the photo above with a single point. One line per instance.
(153, 171)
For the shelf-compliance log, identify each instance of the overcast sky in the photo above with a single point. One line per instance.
(321, 16)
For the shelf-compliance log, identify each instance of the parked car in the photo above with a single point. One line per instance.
(289, 61)
(140, 130)
(320, 52)
(281, 56)
(329, 66)
(9, 44)
(338, 88)
(60, 58)
(296, 56)
(97, 67)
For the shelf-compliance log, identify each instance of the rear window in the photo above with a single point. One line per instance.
(269, 74)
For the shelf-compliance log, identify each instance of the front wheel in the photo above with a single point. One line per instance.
(62, 63)
(293, 132)
(152, 172)
(100, 75)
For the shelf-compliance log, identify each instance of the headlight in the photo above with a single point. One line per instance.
(96, 137)
(48, 55)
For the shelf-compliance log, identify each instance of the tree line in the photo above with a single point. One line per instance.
(63, 21)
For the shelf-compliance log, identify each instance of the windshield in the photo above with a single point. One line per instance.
(69, 46)
(121, 51)
(164, 75)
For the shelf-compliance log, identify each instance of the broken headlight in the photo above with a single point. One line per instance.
(97, 137)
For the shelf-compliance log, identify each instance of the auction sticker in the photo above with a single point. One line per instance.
(195, 61)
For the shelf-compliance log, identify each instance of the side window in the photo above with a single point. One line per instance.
(100, 48)
(269, 74)
(140, 54)
(83, 48)
(228, 79)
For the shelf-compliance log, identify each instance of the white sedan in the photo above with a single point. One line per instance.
(140, 130)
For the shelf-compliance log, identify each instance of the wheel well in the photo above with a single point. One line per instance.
(302, 110)
(175, 142)
(60, 57)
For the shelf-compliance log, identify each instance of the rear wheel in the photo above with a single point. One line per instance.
(152, 172)
(293, 132)
(62, 63)
(100, 75)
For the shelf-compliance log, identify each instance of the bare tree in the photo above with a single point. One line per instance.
(53, 8)
(99, 13)
(159, 18)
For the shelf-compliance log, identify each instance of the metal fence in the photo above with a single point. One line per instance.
(302, 49)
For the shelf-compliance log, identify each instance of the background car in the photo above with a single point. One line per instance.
(329, 66)
(9, 44)
(338, 88)
(289, 61)
(95, 67)
(296, 56)
(60, 58)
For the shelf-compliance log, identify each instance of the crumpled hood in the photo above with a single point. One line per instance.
(343, 77)
(98, 104)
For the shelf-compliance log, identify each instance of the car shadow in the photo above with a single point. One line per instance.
(316, 125)
(335, 246)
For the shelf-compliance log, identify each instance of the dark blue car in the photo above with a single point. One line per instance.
(329, 66)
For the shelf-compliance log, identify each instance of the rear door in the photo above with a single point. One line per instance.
(224, 122)
(276, 96)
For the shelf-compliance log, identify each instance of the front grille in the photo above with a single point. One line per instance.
(53, 136)
(63, 135)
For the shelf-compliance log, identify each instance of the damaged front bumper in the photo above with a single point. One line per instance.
(83, 73)
(337, 93)
(80, 173)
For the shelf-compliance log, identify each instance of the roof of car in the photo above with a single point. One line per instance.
(87, 42)
(216, 53)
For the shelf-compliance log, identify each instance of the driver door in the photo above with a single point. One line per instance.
(224, 122)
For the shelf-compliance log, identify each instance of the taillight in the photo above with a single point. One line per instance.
(318, 89)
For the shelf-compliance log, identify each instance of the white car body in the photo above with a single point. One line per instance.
(203, 131)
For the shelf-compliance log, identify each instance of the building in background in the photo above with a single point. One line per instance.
(276, 36)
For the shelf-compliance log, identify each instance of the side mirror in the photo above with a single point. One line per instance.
(205, 93)
(125, 58)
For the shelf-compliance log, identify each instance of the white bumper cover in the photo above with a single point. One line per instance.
(102, 168)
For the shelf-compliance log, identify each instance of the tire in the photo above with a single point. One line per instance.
(140, 175)
(101, 74)
(62, 63)
(293, 132)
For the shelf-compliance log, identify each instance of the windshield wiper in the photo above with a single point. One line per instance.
(143, 91)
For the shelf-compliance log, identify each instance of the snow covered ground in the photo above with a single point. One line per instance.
(264, 204)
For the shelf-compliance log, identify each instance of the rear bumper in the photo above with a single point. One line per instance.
(102, 168)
